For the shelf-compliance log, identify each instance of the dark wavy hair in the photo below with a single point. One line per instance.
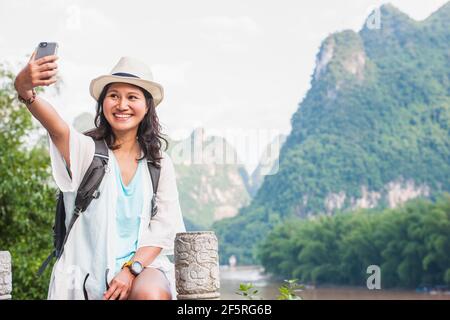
(149, 131)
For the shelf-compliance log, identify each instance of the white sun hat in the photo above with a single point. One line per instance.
(132, 71)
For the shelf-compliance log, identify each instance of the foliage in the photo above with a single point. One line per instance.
(246, 290)
(27, 199)
(410, 244)
(288, 290)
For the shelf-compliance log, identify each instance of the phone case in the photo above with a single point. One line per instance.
(46, 49)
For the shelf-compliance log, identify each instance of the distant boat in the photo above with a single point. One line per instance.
(232, 261)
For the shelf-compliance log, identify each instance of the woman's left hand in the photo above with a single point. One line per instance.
(120, 286)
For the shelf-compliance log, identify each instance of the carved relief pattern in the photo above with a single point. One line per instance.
(197, 264)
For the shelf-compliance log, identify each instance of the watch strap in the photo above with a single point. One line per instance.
(127, 264)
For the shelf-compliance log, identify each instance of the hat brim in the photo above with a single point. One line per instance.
(155, 89)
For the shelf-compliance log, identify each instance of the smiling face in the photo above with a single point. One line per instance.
(124, 107)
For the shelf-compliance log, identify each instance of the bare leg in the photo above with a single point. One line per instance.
(151, 284)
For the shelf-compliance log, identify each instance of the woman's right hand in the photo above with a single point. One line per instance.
(41, 72)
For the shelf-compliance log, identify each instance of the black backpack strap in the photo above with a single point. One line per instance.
(46, 262)
(154, 174)
(88, 189)
(59, 231)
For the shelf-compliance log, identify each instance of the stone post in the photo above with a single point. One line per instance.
(5, 275)
(197, 265)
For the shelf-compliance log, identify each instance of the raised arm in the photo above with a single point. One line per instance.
(42, 72)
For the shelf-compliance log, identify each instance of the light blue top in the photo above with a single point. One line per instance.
(129, 205)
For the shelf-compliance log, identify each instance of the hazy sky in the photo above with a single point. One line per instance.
(225, 65)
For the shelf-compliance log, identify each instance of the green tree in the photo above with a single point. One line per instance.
(27, 198)
(410, 244)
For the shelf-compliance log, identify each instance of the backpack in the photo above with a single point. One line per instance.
(87, 191)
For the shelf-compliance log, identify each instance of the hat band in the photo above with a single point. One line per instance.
(124, 74)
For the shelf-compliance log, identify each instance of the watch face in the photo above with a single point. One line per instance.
(136, 268)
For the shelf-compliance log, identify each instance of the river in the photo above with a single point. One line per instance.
(230, 278)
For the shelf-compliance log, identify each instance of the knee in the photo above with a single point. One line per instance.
(151, 294)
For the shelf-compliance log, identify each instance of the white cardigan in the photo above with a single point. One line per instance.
(90, 245)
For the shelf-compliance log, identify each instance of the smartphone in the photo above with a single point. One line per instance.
(46, 49)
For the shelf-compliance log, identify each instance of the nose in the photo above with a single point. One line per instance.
(122, 104)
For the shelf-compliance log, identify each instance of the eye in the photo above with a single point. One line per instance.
(113, 95)
(133, 97)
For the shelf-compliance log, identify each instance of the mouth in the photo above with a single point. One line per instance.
(122, 117)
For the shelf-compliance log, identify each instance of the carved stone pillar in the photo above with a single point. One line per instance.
(5, 275)
(197, 265)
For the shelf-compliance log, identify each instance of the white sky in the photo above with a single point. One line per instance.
(225, 65)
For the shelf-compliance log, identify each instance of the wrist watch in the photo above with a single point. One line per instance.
(135, 267)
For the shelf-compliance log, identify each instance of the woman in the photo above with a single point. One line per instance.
(116, 231)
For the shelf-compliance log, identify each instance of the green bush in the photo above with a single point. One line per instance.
(411, 244)
(27, 198)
